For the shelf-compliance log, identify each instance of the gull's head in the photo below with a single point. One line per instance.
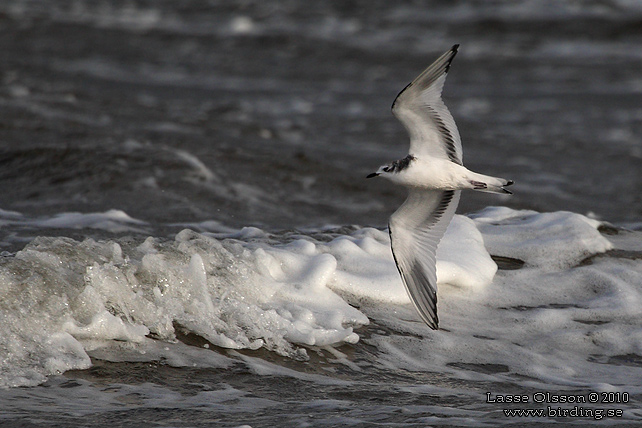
(393, 167)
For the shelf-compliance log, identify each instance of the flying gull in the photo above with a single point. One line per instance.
(435, 175)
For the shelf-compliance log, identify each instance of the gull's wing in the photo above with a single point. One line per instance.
(420, 108)
(415, 231)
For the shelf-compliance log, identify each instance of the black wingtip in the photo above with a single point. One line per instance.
(374, 174)
(454, 51)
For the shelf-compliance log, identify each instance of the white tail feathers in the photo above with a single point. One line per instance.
(493, 185)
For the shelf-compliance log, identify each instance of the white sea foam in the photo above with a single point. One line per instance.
(549, 241)
(554, 320)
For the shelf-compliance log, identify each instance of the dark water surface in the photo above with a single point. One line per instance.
(272, 113)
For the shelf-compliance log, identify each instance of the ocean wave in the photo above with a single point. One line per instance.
(64, 301)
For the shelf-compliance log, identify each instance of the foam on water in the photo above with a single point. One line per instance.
(556, 318)
(548, 241)
(555, 321)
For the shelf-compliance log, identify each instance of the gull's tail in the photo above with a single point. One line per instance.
(492, 185)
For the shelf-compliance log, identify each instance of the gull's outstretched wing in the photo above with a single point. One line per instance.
(415, 231)
(420, 108)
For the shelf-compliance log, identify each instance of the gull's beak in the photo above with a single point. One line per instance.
(374, 174)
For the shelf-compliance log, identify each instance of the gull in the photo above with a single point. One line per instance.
(434, 174)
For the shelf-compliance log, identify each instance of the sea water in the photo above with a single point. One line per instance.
(187, 237)
(219, 322)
